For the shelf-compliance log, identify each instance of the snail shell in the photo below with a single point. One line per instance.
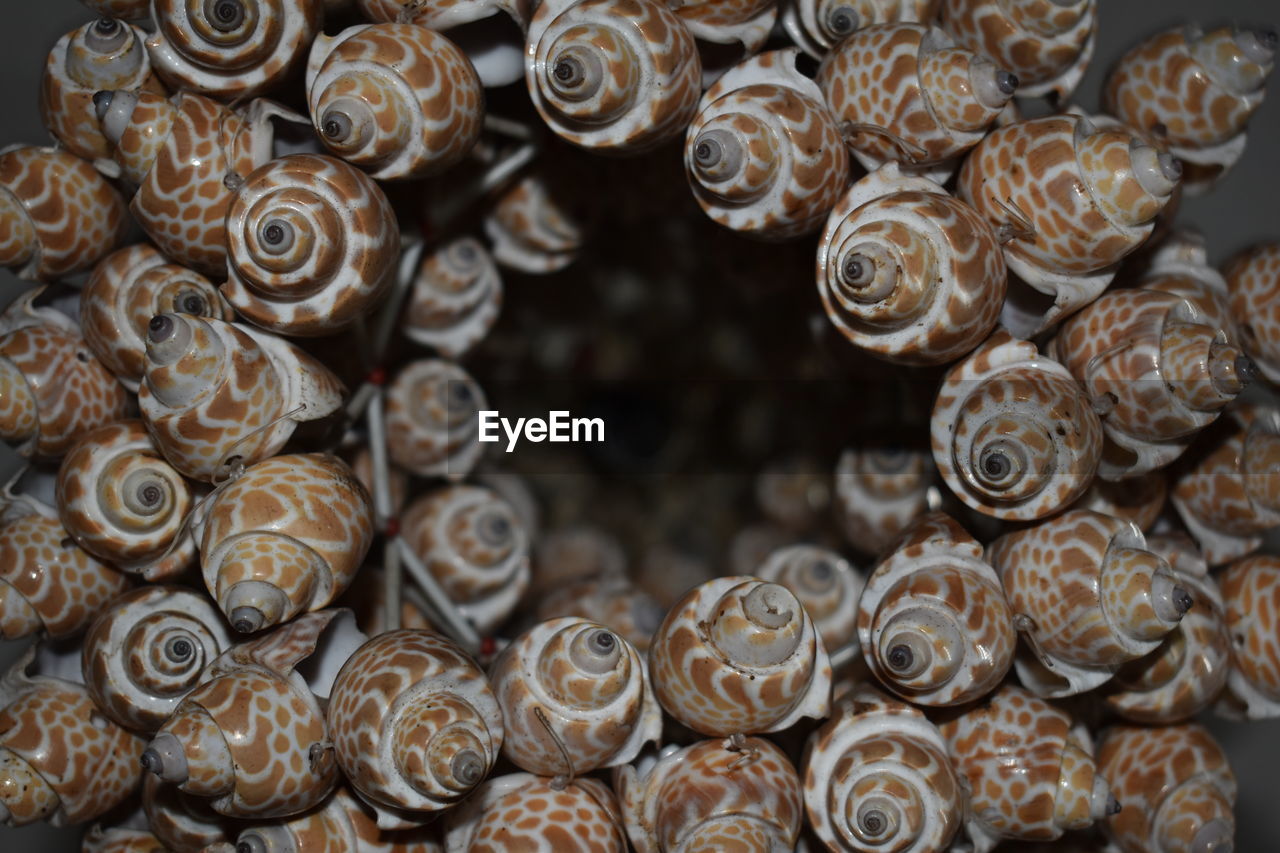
(933, 622)
(1181, 266)
(572, 554)
(618, 76)
(60, 759)
(1155, 368)
(910, 95)
(1194, 90)
(1229, 493)
(879, 491)
(1088, 198)
(1047, 43)
(183, 823)
(216, 394)
(877, 776)
(128, 288)
(1088, 596)
(1189, 669)
(1253, 282)
(818, 25)
(127, 10)
(531, 231)
(415, 725)
(1013, 435)
(1178, 791)
(763, 155)
(1138, 499)
(794, 493)
(455, 298)
(397, 99)
(1030, 775)
(147, 650)
(119, 839)
(433, 419)
(574, 698)
(521, 811)
(1249, 593)
(102, 54)
(286, 537)
(737, 655)
(58, 216)
(123, 503)
(908, 273)
(746, 22)
(342, 825)
(824, 583)
(312, 245)
(713, 795)
(231, 49)
(614, 602)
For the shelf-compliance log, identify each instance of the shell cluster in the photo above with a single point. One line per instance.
(293, 584)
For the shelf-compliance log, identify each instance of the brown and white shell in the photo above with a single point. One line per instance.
(1138, 499)
(1253, 287)
(824, 583)
(342, 825)
(1180, 265)
(1250, 590)
(520, 811)
(879, 491)
(433, 419)
(182, 822)
(454, 299)
(747, 23)
(531, 230)
(611, 600)
(818, 25)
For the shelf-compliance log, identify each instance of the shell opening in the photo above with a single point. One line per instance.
(759, 629)
(253, 605)
(842, 21)
(224, 15)
(992, 86)
(1170, 600)
(1102, 803)
(114, 111)
(1214, 837)
(576, 73)
(1157, 171)
(168, 339)
(717, 156)
(106, 36)
(867, 273)
(1258, 45)
(595, 650)
(165, 758)
(1229, 369)
(347, 125)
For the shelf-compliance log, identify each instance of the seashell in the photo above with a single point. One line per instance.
(433, 419)
(1253, 283)
(119, 839)
(454, 299)
(1138, 499)
(1181, 266)
(60, 760)
(744, 22)
(285, 537)
(127, 10)
(147, 650)
(183, 823)
(531, 231)
(737, 655)
(763, 154)
(1189, 669)
(251, 740)
(1194, 90)
(1177, 788)
(908, 273)
(1091, 199)
(48, 583)
(1155, 369)
(415, 725)
(612, 601)
(216, 395)
(231, 49)
(58, 216)
(818, 25)
(793, 493)
(878, 491)
(186, 154)
(102, 54)
(1047, 43)
(573, 554)
(933, 622)
(574, 698)
(618, 76)
(824, 583)
(877, 776)
(123, 503)
(907, 93)
(1088, 595)
(341, 825)
(1249, 595)
(395, 98)
(1013, 435)
(286, 271)
(520, 811)
(1029, 773)
(728, 794)
(1228, 495)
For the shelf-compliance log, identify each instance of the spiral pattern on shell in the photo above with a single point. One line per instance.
(123, 503)
(1249, 593)
(1012, 433)
(908, 273)
(737, 655)
(455, 298)
(818, 25)
(878, 491)
(433, 419)
(312, 244)
(397, 99)
(824, 583)
(523, 811)
(613, 601)
(574, 698)
(415, 724)
(231, 49)
(146, 651)
(612, 75)
(1253, 282)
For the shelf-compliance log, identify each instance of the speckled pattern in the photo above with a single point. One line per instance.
(1175, 784)
(1138, 499)
(520, 812)
(59, 215)
(409, 710)
(571, 682)
(190, 51)
(713, 795)
(1251, 592)
(878, 492)
(181, 821)
(1253, 281)
(1012, 433)
(341, 825)
(433, 420)
(123, 503)
(455, 298)
(530, 230)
